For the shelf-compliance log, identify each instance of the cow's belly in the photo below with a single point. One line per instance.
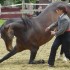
(40, 38)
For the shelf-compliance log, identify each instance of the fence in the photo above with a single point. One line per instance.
(12, 11)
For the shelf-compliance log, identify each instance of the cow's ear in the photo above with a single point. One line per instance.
(7, 27)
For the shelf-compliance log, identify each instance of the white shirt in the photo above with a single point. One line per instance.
(61, 15)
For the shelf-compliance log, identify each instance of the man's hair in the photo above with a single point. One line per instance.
(63, 8)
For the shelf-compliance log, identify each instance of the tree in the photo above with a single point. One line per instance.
(33, 1)
(17, 1)
(2, 2)
(65, 0)
(27, 1)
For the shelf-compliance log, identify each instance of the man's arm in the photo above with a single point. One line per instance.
(63, 28)
(52, 26)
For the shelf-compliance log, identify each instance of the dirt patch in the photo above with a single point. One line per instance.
(20, 60)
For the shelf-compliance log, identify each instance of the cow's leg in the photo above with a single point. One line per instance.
(33, 54)
(13, 52)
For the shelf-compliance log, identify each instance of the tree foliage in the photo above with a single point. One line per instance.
(65, 0)
(2, 2)
(27, 1)
(20, 1)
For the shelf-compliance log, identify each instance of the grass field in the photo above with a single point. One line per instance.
(1, 21)
(20, 60)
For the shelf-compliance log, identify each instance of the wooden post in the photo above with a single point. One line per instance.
(0, 9)
(23, 7)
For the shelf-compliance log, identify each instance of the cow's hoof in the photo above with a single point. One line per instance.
(40, 62)
(37, 62)
(32, 62)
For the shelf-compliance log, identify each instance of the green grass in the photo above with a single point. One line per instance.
(1, 21)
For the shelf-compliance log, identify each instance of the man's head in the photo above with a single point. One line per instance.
(61, 9)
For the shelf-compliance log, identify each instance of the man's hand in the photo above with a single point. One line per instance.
(47, 29)
(53, 32)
